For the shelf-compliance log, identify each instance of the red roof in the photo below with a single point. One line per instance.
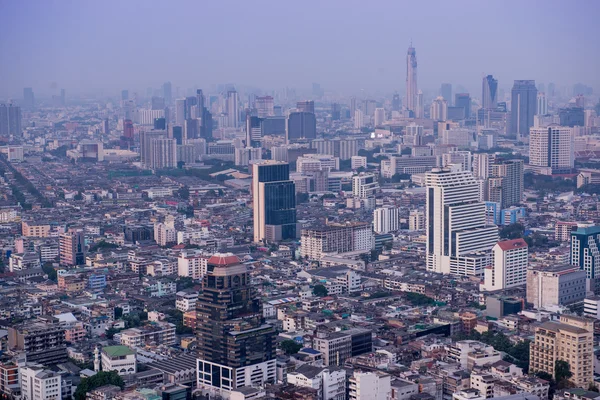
(506, 245)
(223, 259)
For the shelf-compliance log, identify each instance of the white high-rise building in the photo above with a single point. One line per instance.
(416, 220)
(379, 116)
(279, 153)
(464, 158)
(233, 112)
(551, 149)
(192, 264)
(147, 117)
(439, 109)
(509, 268)
(481, 165)
(385, 219)
(39, 383)
(359, 119)
(180, 112)
(411, 79)
(364, 185)
(458, 239)
(542, 104)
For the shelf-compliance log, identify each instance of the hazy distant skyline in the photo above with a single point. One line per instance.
(346, 46)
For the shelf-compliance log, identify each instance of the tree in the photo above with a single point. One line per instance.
(544, 375)
(406, 151)
(562, 373)
(290, 346)
(417, 299)
(512, 231)
(320, 291)
(184, 192)
(101, 378)
(50, 271)
(118, 312)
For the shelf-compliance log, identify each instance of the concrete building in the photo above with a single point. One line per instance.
(192, 264)
(553, 286)
(570, 340)
(458, 239)
(411, 80)
(591, 307)
(72, 248)
(385, 219)
(585, 251)
(523, 107)
(471, 353)
(336, 238)
(41, 342)
(370, 386)
(506, 183)
(120, 359)
(563, 230)
(330, 383)
(416, 220)
(509, 268)
(439, 109)
(156, 334)
(551, 150)
(358, 162)
(38, 383)
(364, 185)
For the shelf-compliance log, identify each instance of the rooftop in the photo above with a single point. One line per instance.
(117, 351)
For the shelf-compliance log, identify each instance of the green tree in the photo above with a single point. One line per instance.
(417, 299)
(118, 312)
(320, 291)
(184, 192)
(512, 231)
(290, 346)
(99, 379)
(593, 388)
(562, 373)
(50, 271)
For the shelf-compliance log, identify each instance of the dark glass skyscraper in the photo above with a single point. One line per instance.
(301, 126)
(10, 120)
(236, 348)
(523, 107)
(571, 116)
(274, 201)
(489, 93)
(463, 100)
(306, 106)
(253, 131)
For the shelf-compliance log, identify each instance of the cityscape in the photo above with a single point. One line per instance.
(276, 234)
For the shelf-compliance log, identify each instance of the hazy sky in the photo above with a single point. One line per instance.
(346, 45)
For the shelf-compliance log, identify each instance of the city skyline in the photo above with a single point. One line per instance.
(102, 60)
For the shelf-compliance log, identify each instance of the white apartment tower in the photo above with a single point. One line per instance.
(551, 149)
(509, 268)
(458, 239)
(439, 109)
(385, 219)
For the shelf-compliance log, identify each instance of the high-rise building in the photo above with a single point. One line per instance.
(463, 100)
(542, 104)
(510, 179)
(163, 153)
(572, 116)
(570, 340)
(72, 248)
(253, 131)
(379, 117)
(336, 238)
(372, 385)
(264, 106)
(180, 114)
(124, 94)
(446, 92)
(40, 383)
(306, 106)
(359, 119)
(336, 112)
(385, 219)
(160, 124)
(481, 165)
(233, 111)
(509, 267)
(585, 252)
(396, 102)
(236, 348)
(411, 79)
(158, 103)
(274, 201)
(558, 285)
(28, 98)
(364, 185)
(420, 106)
(301, 126)
(523, 107)
(439, 109)
(10, 120)
(489, 93)
(167, 93)
(551, 149)
(128, 129)
(458, 238)
(147, 117)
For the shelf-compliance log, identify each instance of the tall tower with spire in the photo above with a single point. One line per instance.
(411, 79)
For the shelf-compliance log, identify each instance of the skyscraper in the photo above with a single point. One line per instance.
(10, 120)
(585, 243)
(180, 111)
(411, 79)
(167, 92)
(542, 104)
(274, 201)
(551, 149)
(523, 107)
(253, 131)
(458, 239)
(158, 103)
(128, 130)
(124, 94)
(385, 219)
(396, 103)
(439, 109)
(463, 100)
(301, 126)
(72, 248)
(264, 106)
(510, 179)
(28, 98)
(489, 95)
(446, 92)
(236, 348)
(233, 112)
(420, 106)
(306, 106)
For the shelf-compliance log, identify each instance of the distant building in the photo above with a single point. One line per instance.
(551, 150)
(411, 79)
(523, 107)
(72, 248)
(489, 93)
(301, 126)
(336, 238)
(559, 285)
(585, 251)
(10, 120)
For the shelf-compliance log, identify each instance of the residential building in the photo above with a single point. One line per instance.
(385, 219)
(563, 230)
(330, 383)
(186, 301)
(551, 150)
(570, 340)
(274, 201)
(358, 162)
(155, 334)
(591, 307)
(439, 109)
(458, 239)
(9, 379)
(370, 386)
(39, 383)
(236, 348)
(336, 238)
(510, 266)
(585, 251)
(471, 353)
(416, 220)
(558, 285)
(506, 185)
(10, 120)
(192, 264)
